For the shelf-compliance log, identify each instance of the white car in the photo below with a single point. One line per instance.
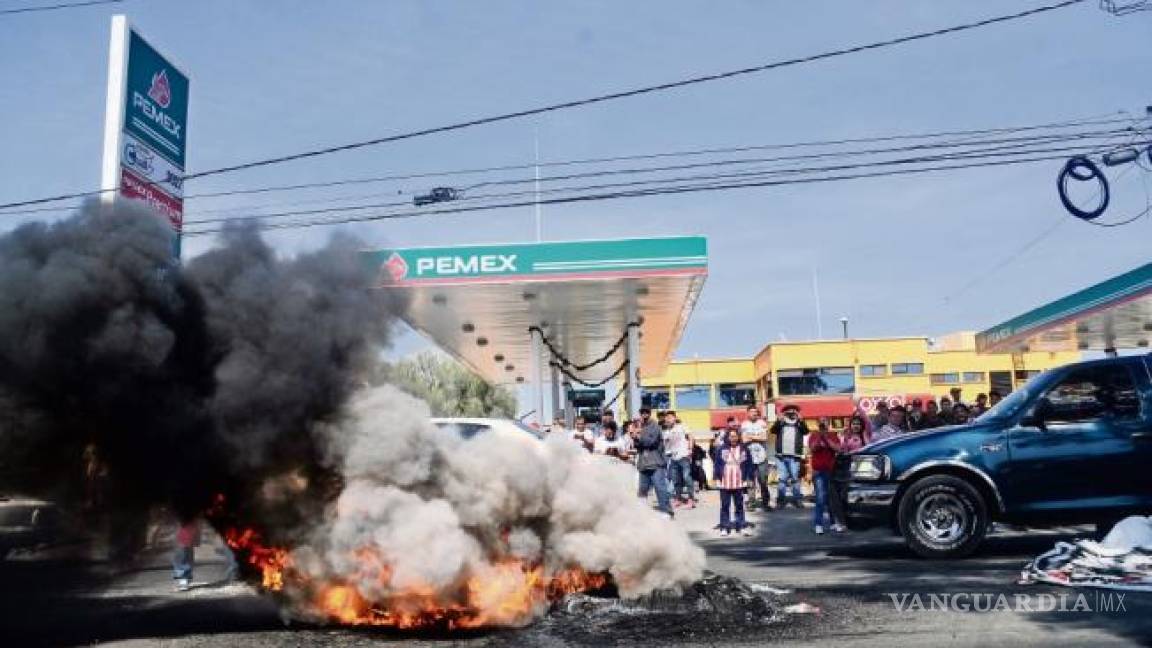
(470, 427)
(27, 523)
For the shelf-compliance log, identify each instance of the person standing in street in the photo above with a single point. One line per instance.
(733, 468)
(880, 418)
(678, 445)
(956, 392)
(945, 410)
(961, 415)
(583, 434)
(651, 461)
(981, 405)
(754, 431)
(606, 417)
(994, 396)
(824, 444)
(610, 443)
(894, 427)
(789, 431)
(932, 415)
(183, 557)
(855, 435)
(916, 420)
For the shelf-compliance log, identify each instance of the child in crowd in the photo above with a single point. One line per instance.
(856, 436)
(732, 470)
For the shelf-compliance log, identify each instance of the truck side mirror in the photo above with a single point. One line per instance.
(1040, 412)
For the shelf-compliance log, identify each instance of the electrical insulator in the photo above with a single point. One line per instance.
(1122, 156)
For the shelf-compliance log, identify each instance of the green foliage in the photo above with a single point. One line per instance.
(449, 388)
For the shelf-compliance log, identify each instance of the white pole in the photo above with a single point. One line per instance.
(633, 355)
(114, 108)
(539, 222)
(537, 377)
(555, 393)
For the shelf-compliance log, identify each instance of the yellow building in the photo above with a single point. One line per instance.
(826, 377)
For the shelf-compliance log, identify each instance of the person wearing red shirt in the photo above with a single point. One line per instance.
(823, 446)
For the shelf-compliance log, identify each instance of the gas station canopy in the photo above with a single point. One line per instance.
(495, 307)
(1114, 314)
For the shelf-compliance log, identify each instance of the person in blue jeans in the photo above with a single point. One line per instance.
(823, 447)
(651, 461)
(789, 431)
(678, 447)
(183, 561)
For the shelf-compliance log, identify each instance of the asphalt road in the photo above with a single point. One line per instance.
(849, 578)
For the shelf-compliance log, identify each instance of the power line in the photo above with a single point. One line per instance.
(1093, 142)
(1016, 149)
(663, 87)
(645, 193)
(1013, 142)
(651, 156)
(72, 5)
(968, 135)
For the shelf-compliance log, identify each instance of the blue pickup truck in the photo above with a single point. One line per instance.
(1073, 445)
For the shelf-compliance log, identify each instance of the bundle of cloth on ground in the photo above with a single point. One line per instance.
(1122, 560)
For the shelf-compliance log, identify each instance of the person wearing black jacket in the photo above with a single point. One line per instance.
(789, 431)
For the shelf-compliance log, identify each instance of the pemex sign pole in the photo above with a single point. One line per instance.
(145, 126)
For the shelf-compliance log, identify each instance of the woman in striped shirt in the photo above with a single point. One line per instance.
(732, 470)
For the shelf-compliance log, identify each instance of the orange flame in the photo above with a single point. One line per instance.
(271, 561)
(506, 593)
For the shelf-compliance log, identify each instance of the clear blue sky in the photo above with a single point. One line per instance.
(272, 77)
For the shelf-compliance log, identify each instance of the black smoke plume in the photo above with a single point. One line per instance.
(188, 382)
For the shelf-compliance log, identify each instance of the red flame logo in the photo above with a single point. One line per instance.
(397, 267)
(161, 92)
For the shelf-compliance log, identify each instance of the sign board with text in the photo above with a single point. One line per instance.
(553, 261)
(145, 126)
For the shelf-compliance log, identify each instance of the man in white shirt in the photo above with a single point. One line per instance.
(678, 446)
(583, 434)
(612, 443)
(754, 431)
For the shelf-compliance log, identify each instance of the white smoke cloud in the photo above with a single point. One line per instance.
(437, 509)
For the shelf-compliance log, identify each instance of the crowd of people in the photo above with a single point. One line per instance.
(747, 456)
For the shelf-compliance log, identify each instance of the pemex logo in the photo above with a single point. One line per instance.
(161, 92)
(396, 266)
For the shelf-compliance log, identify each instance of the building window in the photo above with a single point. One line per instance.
(908, 369)
(693, 397)
(973, 376)
(945, 378)
(655, 398)
(736, 394)
(814, 382)
(874, 371)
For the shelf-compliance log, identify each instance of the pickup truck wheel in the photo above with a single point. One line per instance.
(942, 517)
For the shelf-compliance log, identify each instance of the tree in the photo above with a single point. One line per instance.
(449, 388)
